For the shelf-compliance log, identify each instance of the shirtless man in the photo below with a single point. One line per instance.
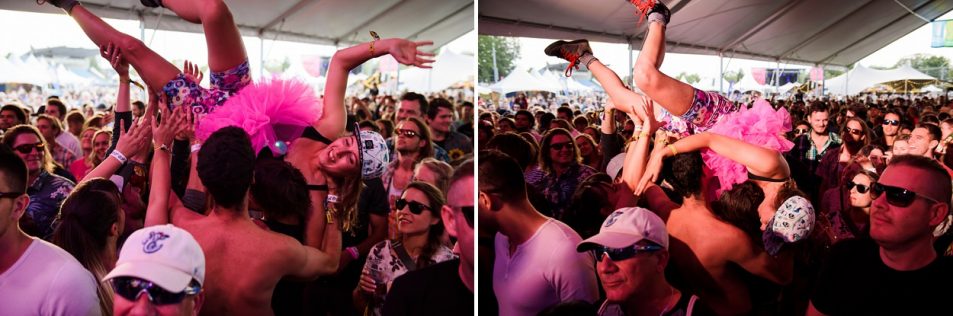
(699, 239)
(704, 247)
(243, 262)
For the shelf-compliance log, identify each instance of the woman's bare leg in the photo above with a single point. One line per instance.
(154, 70)
(675, 96)
(614, 87)
(225, 47)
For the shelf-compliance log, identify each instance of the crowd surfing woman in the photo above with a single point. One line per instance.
(421, 228)
(682, 108)
(290, 107)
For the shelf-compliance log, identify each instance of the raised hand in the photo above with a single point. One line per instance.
(407, 52)
(171, 121)
(112, 54)
(133, 140)
(186, 128)
(192, 71)
(652, 169)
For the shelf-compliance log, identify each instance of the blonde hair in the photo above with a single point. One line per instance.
(442, 169)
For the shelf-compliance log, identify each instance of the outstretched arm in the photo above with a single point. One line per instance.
(334, 117)
(759, 160)
(158, 211)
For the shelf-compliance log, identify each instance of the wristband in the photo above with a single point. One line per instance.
(164, 148)
(118, 155)
(674, 151)
(353, 252)
(196, 147)
(332, 198)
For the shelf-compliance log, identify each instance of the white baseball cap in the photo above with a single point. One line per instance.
(627, 226)
(165, 255)
(615, 165)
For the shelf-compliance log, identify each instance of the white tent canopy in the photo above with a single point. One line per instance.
(791, 31)
(522, 80)
(329, 22)
(448, 69)
(861, 78)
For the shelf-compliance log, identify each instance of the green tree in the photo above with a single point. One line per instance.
(277, 66)
(691, 79)
(734, 76)
(507, 51)
(936, 66)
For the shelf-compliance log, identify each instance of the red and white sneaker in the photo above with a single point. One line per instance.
(570, 51)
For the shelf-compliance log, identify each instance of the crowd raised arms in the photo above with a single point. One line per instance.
(704, 204)
(187, 209)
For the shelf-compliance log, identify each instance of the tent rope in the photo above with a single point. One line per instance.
(911, 11)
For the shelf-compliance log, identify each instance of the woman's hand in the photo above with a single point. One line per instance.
(133, 140)
(407, 52)
(192, 71)
(112, 54)
(367, 284)
(164, 132)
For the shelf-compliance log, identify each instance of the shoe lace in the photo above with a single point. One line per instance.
(573, 59)
(644, 7)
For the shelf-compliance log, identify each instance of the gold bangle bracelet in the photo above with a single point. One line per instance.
(674, 151)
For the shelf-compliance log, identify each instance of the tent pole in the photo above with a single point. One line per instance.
(846, 81)
(142, 37)
(777, 75)
(261, 54)
(823, 81)
(721, 73)
(631, 81)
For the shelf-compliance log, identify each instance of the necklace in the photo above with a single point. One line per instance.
(670, 302)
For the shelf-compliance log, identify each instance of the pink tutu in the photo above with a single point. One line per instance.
(761, 125)
(271, 112)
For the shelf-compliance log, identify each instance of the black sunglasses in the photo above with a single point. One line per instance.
(892, 122)
(860, 187)
(28, 148)
(560, 146)
(854, 131)
(407, 133)
(467, 214)
(617, 254)
(131, 287)
(896, 196)
(415, 207)
(10, 194)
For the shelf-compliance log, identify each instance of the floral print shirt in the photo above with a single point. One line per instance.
(47, 193)
(383, 261)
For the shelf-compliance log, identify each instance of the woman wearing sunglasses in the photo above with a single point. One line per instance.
(846, 210)
(560, 169)
(48, 188)
(420, 228)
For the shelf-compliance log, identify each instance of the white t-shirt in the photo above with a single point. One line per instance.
(543, 271)
(71, 143)
(47, 280)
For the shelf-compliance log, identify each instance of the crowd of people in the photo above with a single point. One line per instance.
(677, 201)
(240, 198)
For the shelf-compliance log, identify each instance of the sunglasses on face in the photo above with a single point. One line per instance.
(10, 194)
(855, 132)
(130, 288)
(617, 254)
(407, 133)
(467, 214)
(892, 122)
(897, 196)
(28, 148)
(415, 207)
(860, 187)
(560, 146)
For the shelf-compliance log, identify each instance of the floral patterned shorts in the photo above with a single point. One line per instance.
(706, 109)
(182, 91)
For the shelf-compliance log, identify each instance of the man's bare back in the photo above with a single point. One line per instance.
(704, 249)
(243, 263)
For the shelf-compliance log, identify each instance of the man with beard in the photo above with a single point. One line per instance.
(439, 117)
(413, 145)
(855, 136)
(891, 129)
(810, 147)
